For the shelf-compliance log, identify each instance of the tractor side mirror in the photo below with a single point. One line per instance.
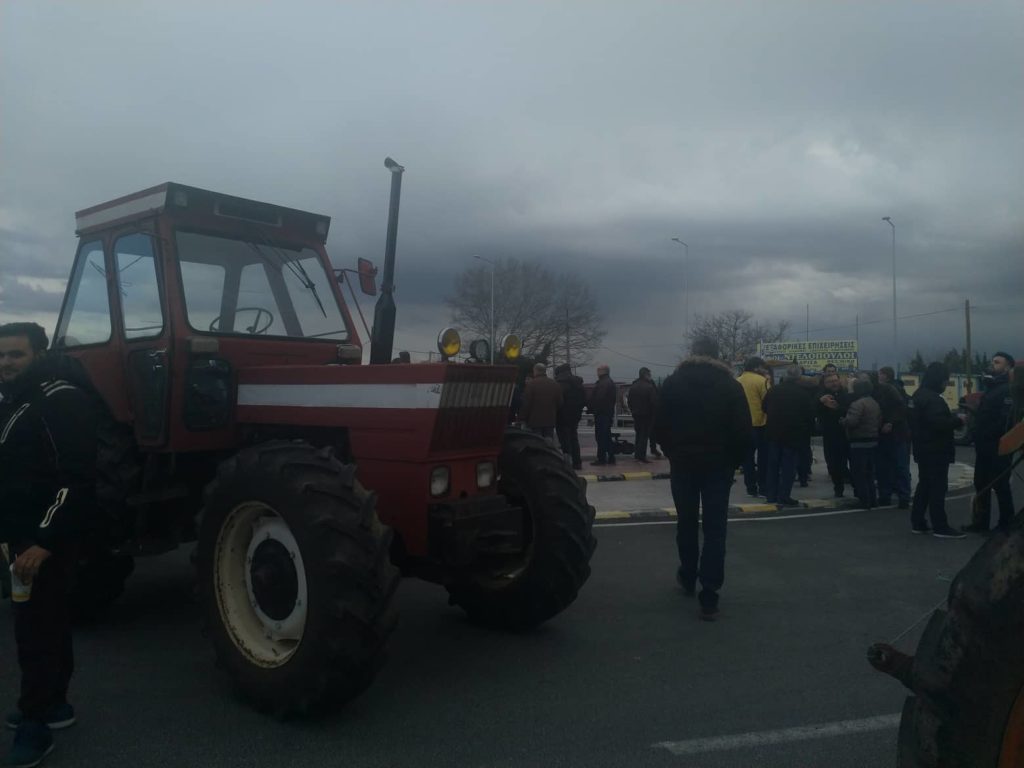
(367, 277)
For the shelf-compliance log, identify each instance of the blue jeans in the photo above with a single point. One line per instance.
(892, 468)
(603, 434)
(693, 488)
(755, 465)
(781, 472)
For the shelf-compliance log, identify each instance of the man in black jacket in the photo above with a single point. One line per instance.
(642, 403)
(790, 421)
(892, 464)
(47, 478)
(991, 471)
(603, 399)
(569, 415)
(703, 425)
(833, 401)
(931, 430)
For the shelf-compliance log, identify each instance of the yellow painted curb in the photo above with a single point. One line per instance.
(590, 478)
(747, 509)
(637, 475)
(611, 515)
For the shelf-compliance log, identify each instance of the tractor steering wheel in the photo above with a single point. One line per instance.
(255, 328)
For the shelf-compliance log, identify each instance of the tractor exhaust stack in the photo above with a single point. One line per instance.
(383, 337)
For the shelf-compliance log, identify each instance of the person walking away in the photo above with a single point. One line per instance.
(47, 477)
(703, 425)
(862, 422)
(755, 387)
(805, 456)
(931, 432)
(789, 422)
(542, 398)
(892, 460)
(833, 402)
(642, 399)
(602, 402)
(992, 471)
(567, 421)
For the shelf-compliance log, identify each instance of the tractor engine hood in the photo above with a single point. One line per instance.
(392, 412)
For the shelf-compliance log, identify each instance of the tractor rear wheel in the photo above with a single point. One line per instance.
(294, 577)
(529, 590)
(968, 671)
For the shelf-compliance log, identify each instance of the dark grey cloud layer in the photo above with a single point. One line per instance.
(771, 137)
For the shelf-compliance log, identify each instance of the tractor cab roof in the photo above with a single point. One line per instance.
(182, 201)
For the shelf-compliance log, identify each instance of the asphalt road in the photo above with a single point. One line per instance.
(625, 669)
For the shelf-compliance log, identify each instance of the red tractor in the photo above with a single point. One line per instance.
(242, 419)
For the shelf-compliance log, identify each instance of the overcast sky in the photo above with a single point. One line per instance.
(771, 137)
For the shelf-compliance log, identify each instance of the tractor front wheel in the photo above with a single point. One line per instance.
(529, 590)
(294, 577)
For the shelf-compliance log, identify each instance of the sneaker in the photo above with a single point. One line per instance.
(924, 530)
(32, 743)
(948, 533)
(974, 528)
(63, 716)
(789, 503)
(689, 585)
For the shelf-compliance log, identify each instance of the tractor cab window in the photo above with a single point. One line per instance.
(138, 287)
(257, 287)
(86, 315)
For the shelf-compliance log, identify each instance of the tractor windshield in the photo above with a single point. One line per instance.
(257, 286)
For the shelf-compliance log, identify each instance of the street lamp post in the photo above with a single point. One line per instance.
(895, 353)
(488, 261)
(686, 288)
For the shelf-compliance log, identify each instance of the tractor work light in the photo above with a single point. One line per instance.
(511, 347)
(448, 342)
(485, 474)
(480, 350)
(440, 479)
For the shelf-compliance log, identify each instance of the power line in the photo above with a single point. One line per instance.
(637, 359)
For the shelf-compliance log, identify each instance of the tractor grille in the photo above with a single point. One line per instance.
(474, 407)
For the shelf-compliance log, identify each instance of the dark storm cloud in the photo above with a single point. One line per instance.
(770, 137)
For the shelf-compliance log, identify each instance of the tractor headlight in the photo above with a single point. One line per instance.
(440, 479)
(448, 342)
(485, 474)
(511, 347)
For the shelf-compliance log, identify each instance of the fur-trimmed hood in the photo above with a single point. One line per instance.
(703, 360)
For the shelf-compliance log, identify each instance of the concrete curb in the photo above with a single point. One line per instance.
(762, 509)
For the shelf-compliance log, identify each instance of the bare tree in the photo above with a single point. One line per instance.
(736, 332)
(533, 302)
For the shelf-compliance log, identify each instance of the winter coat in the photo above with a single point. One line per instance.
(790, 415)
(863, 421)
(931, 426)
(541, 400)
(603, 397)
(894, 409)
(703, 421)
(643, 398)
(994, 415)
(574, 399)
(48, 442)
(755, 386)
(829, 418)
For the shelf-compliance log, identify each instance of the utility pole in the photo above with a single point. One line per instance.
(568, 348)
(888, 220)
(856, 332)
(807, 328)
(967, 323)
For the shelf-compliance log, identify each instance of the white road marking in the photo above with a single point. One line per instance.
(773, 517)
(782, 736)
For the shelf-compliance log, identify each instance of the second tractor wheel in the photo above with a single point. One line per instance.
(294, 577)
(560, 541)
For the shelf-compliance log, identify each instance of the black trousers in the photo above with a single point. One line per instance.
(988, 465)
(837, 454)
(42, 632)
(930, 493)
(643, 425)
(569, 441)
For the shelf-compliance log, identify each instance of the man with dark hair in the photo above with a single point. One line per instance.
(603, 399)
(755, 387)
(47, 478)
(992, 471)
(642, 400)
(790, 421)
(574, 399)
(541, 400)
(931, 430)
(892, 464)
(703, 425)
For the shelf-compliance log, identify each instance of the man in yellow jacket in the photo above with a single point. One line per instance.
(755, 386)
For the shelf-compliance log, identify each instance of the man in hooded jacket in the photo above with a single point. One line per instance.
(991, 471)
(643, 399)
(574, 398)
(931, 430)
(703, 425)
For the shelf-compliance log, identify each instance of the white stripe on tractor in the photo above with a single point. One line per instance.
(62, 494)
(127, 208)
(412, 396)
